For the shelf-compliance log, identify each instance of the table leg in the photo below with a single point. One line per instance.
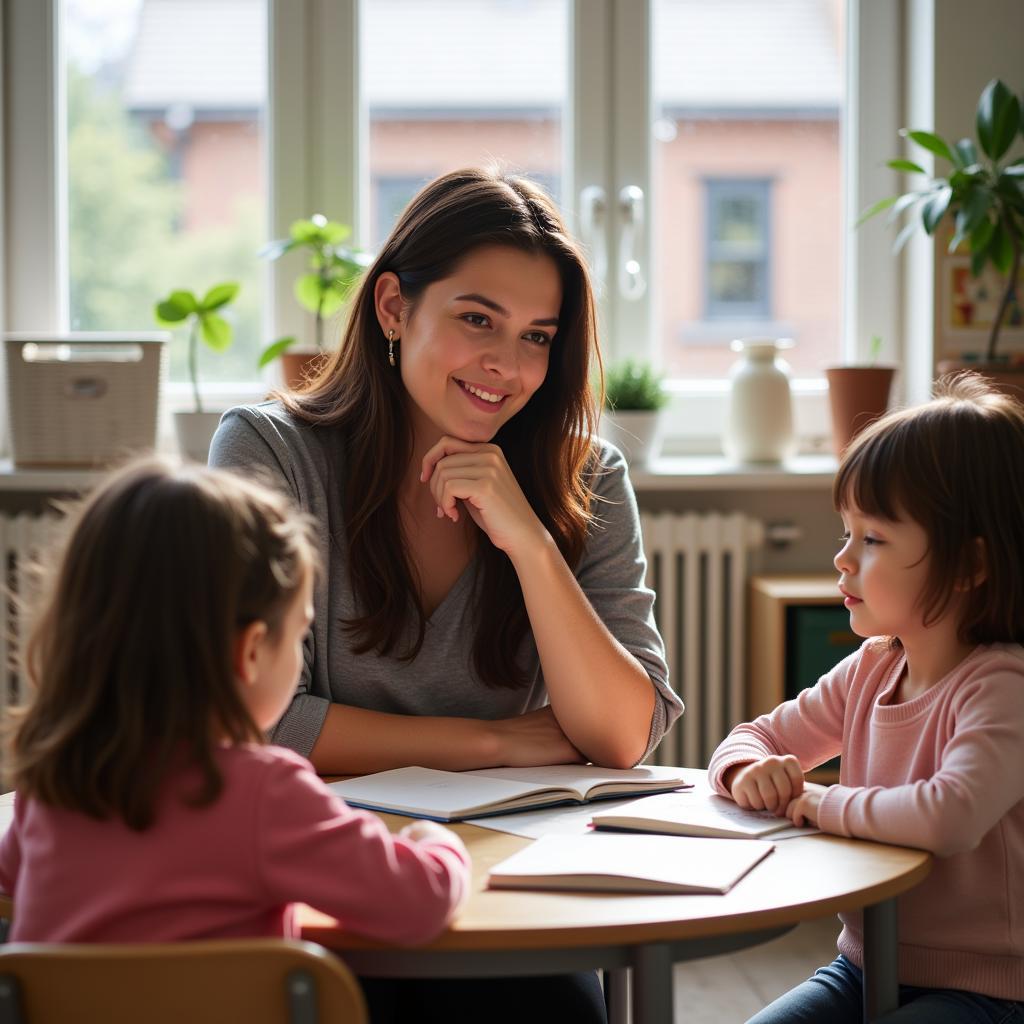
(881, 978)
(616, 995)
(652, 985)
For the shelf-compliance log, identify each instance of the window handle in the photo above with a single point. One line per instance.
(632, 282)
(593, 210)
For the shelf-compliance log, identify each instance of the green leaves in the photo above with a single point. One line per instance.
(213, 328)
(998, 119)
(274, 350)
(175, 308)
(633, 385)
(933, 143)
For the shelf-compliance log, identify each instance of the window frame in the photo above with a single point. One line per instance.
(317, 133)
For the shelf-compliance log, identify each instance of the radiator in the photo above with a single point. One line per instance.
(22, 538)
(697, 567)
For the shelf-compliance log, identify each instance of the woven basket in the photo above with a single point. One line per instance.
(82, 400)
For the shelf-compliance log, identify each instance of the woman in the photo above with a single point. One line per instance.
(483, 602)
(472, 621)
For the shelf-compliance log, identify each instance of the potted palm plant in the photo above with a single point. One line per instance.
(332, 269)
(630, 419)
(195, 429)
(983, 196)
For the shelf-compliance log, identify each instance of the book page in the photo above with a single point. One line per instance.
(666, 862)
(433, 793)
(583, 778)
(705, 811)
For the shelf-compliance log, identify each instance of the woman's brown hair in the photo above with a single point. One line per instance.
(131, 656)
(955, 466)
(547, 445)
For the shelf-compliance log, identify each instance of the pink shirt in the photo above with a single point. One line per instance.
(275, 836)
(943, 772)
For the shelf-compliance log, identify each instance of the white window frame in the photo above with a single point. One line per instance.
(317, 133)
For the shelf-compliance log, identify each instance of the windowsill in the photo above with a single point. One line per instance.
(718, 473)
(671, 473)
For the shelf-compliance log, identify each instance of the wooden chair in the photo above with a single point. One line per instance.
(255, 981)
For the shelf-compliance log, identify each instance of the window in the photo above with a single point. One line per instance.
(738, 253)
(492, 86)
(646, 119)
(165, 164)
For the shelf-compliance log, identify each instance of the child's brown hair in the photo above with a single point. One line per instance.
(955, 466)
(132, 656)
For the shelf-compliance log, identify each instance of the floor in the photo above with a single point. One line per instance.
(729, 989)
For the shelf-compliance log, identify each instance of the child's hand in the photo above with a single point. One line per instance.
(430, 832)
(804, 809)
(768, 785)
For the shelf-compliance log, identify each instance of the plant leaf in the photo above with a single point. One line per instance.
(1001, 249)
(905, 165)
(982, 235)
(930, 141)
(1014, 170)
(303, 232)
(905, 201)
(216, 331)
(308, 290)
(219, 295)
(978, 261)
(935, 208)
(178, 305)
(968, 154)
(974, 208)
(901, 239)
(274, 350)
(882, 204)
(997, 119)
(276, 249)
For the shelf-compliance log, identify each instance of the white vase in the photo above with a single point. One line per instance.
(759, 426)
(635, 433)
(195, 431)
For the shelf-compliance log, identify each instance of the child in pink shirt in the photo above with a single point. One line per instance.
(928, 715)
(148, 806)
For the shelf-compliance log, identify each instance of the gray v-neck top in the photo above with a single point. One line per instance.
(308, 463)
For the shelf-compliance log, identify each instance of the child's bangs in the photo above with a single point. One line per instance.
(872, 476)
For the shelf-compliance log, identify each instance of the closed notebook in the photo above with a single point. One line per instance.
(635, 864)
(691, 814)
(452, 796)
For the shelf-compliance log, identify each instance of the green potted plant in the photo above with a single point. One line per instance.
(195, 428)
(332, 268)
(982, 195)
(633, 399)
(857, 395)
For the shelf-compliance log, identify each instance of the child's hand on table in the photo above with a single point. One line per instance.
(767, 785)
(804, 809)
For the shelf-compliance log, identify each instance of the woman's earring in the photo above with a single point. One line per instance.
(391, 346)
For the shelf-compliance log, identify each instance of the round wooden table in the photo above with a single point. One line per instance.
(519, 933)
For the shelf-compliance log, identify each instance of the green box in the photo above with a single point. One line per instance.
(817, 637)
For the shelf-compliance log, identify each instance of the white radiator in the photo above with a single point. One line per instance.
(22, 538)
(697, 567)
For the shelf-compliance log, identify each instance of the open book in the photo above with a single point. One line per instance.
(452, 796)
(691, 814)
(636, 864)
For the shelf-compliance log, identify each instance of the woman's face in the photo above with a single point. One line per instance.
(476, 345)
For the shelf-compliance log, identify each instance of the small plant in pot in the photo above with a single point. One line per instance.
(857, 395)
(332, 269)
(982, 196)
(630, 419)
(195, 429)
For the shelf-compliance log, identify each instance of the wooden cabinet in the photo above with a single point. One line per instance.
(798, 629)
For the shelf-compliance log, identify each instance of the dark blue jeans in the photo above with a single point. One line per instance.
(834, 995)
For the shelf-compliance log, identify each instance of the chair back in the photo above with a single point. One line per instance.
(257, 981)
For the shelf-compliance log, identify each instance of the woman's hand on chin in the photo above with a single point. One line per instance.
(477, 475)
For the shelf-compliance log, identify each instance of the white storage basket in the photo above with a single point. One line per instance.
(82, 400)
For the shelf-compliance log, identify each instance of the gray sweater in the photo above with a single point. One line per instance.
(308, 463)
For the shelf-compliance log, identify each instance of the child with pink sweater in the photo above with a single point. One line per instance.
(148, 806)
(928, 714)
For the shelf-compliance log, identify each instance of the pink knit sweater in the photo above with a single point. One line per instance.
(276, 836)
(943, 772)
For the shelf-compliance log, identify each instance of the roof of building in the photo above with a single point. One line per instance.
(434, 57)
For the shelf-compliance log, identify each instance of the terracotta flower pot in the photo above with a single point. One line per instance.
(857, 395)
(298, 368)
(1006, 378)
